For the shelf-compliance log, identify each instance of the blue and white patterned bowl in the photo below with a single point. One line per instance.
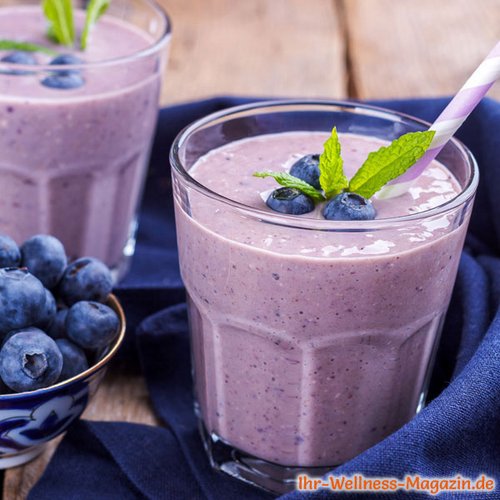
(29, 420)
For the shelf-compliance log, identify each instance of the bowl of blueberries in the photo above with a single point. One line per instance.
(60, 325)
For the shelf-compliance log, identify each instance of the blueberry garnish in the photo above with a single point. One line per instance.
(10, 255)
(64, 79)
(349, 206)
(45, 258)
(290, 201)
(91, 325)
(19, 57)
(307, 169)
(30, 360)
(66, 59)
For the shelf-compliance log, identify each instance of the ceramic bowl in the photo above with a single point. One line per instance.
(29, 420)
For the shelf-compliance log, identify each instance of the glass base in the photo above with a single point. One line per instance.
(245, 467)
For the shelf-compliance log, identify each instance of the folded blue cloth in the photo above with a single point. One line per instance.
(458, 432)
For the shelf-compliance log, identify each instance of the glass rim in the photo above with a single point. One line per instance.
(155, 46)
(466, 194)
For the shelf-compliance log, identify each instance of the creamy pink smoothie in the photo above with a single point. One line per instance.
(310, 346)
(72, 161)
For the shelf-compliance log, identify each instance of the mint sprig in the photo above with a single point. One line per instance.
(331, 167)
(59, 13)
(287, 180)
(25, 47)
(60, 16)
(381, 167)
(95, 9)
(389, 162)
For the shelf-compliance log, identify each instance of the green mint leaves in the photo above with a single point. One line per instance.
(331, 167)
(95, 9)
(381, 167)
(59, 13)
(25, 47)
(287, 180)
(389, 162)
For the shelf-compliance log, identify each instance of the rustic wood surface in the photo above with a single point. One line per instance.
(318, 48)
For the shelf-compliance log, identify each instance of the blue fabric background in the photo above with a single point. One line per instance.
(458, 432)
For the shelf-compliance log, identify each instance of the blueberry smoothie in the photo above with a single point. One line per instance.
(311, 340)
(73, 158)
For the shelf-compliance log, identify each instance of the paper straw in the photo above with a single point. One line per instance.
(450, 120)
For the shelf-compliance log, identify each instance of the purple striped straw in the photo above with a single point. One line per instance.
(450, 120)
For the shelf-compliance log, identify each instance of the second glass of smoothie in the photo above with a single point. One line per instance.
(73, 160)
(312, 340)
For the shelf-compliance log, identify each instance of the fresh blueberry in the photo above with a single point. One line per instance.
(290, 201)
(30, 360)
(19, 57)
(74, 359)
(57, 329)
(10, 255)
(49, 311)
(64, 79)
(91, 325)
(349, 206)
(45, 258)
(66, 60)
(307, 169)
(22, 299)
(85, 279)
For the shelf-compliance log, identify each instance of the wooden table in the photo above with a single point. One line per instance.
(302, 48)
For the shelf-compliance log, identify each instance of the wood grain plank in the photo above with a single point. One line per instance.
(254, 47)
(120, 397)
(427, 48)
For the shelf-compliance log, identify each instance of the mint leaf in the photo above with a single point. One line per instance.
(59, 13)
(25, 47)
(95, 9)
(287, 180)
(389, 162)
(331, 167)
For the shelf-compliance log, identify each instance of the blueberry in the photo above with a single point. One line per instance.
(349, 206)
(64, 79)
(85, 279)
(49, 311)
(307, 169)
(290, 201)
(19, 57)
(66, 60)
(74, 359)
(22, 299)
(30, 360)
(91, 325)
(10, 255)
(45, 258)
(57, 328)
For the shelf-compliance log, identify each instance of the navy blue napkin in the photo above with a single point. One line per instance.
(458, 432)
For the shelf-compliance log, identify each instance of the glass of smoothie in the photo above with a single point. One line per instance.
(75, 138)
(312, 339)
